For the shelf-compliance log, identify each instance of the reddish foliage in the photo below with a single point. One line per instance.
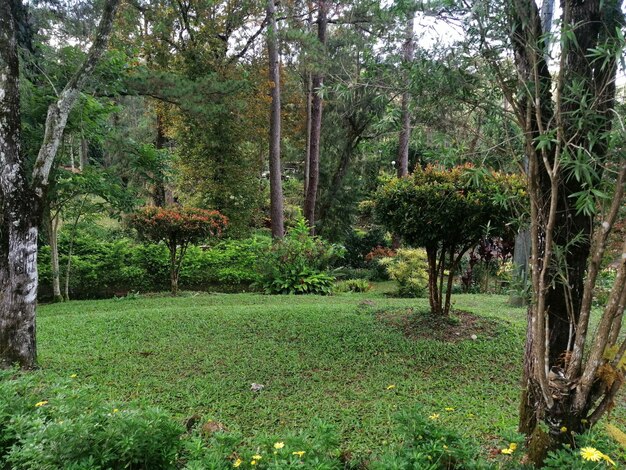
(380, 252)
(177, 224)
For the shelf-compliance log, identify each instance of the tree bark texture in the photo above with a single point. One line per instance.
(555, 395)
(276, 184)
(52, 222)
(316, 122)
(21, 199)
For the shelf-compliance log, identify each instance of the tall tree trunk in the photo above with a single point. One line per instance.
(309, 96)
(408, 49)
(276, 184)
(159, 195)
(316, 122)
(21, 202)
(84, 154)
(18, 233)
(53, 240)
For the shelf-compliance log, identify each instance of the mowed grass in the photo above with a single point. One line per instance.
(328, 358)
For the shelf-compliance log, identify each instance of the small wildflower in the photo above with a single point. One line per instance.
(434, 416)
(507, 451)
(606, 458)
(449, 409)
(115, 410)
(257, 457)
(237, 463)
(564, 429)
(591, 454)
(73, 376)
(391, 387)
(299, 453)
(253, 462)
(41, 403)
(513, 446)
(279, 445)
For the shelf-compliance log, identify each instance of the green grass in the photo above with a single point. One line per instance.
(319, 357)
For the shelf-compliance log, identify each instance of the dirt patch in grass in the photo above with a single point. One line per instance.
(459, 326)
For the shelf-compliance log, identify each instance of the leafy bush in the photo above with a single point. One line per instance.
(299, 264)
(63, 426)
(359, 244)
(102, 268)
(409, 268)
(592, 451)
(353, 285)
(428, 446)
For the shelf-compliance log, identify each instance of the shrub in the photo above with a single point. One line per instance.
(359, 244)
(447, 212)
(105, 267)
(299, 264)
(353, 285)
(177, 227)
(409, 268)
(62, 426)
(429, 446)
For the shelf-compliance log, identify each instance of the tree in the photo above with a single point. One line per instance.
(576, 176)
(276, 187)
(22, 196)
(447, 213)
(177, 228)
(317, 83)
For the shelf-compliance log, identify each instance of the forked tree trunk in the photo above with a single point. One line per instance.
(316, 122)
(276, 184)
(21, 201)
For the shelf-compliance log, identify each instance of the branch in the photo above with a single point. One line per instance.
(249, 42)
(58, 112)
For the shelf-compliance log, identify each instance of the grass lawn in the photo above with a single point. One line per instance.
(333, 358)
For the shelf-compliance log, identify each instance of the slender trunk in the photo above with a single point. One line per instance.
(316, 122)
(173, 269)
(433, 296)
(159, 195)
(84, 154)
(309, 96)
(70, 251)
(53, 238)
(405, 131)
(276, 185)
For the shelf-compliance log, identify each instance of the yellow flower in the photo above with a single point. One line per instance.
(591, 454)
(279, 445)
(237, 463)
(73, 376)
(513, 446)
(253, 462)
(115, 410)
(449, 409)
(608, 459)
(257, 457)
(41, 403)
(563, 429)
(434, 416)
(391, 387)
(507, 451)
(299, 453)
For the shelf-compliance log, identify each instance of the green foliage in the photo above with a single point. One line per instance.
(299, 263)
(359, 244)
(435, 207)
(63, 426)
(353, 285)
(102, 268)
(429, 446)
(593, 451)
(409, 268)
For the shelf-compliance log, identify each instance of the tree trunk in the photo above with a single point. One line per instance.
(21, 202)
(159, 195)
(309, 96)
(316, 122)
(53, 239)
(405, 132)
(173, 269)
(84, 154)
(276, 185)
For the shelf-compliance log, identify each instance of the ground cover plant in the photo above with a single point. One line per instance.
(319, 358)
